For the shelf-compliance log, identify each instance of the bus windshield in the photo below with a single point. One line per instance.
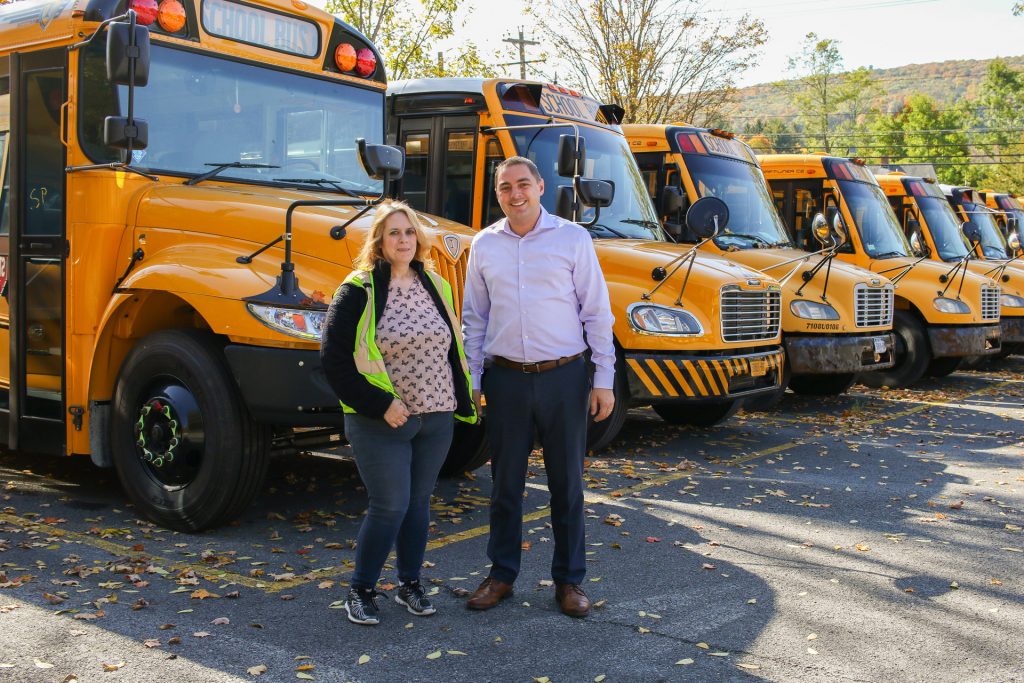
(753, 220)
(205, 111)
(608, 158)
(879, 230)
(943, 227)
(992, 244)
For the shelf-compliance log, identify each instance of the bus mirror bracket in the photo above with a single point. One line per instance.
(670, 202)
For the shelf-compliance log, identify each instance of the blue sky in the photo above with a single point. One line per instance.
(880, 33)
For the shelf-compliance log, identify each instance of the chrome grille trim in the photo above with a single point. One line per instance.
(990, 303)
(873, 305)
(454, 273)
(750, 315)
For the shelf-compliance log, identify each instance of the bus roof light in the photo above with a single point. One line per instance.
(171, 16)
(145, 10)
(366, 62)
(718, 132)
(685, 144)
(345, 57)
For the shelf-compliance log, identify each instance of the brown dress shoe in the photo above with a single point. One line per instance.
(489, 594)
(572, 599)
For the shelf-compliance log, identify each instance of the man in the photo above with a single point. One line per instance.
(535, 300)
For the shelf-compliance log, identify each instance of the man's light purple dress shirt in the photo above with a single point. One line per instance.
(533, 298)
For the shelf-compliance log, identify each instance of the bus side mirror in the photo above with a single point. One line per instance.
(571, 157)
(835, 219)
(820, 229)
(971, 231)
(707, 217)
(1013, 241)
(918, 244)
(596, 193)
(128, 46)
(671, 201)
(381, 162)
(564, 204)
(913, 225)
(127, 64)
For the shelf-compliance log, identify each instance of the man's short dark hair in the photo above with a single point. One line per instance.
(517, 161)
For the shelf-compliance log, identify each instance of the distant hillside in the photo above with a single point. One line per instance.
(946, 82)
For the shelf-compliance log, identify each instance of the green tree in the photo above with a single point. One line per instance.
(831, 103)
(662, 60)
(1000, 123)
(406, 31)
(920, 131)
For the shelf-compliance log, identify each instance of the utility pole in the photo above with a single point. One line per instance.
(521, 42)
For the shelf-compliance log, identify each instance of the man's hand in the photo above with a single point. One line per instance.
(397, 414)
(601, 403)
(478, 402)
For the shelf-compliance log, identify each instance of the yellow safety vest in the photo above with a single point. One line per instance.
(368, 358)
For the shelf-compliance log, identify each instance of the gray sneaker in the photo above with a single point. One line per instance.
(361, 606)
(415, 600)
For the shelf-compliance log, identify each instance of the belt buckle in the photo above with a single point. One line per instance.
(535, 369)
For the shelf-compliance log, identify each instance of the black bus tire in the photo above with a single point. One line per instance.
(943, 367)
(821, 385)
(213, 455)
(600, 434)
(697, 415)
(469, 450)
(912, 355)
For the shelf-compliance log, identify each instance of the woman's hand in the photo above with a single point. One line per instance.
(397, 414)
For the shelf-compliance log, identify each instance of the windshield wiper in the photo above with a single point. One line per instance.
(611, 230)
(888, 254)
(763, 243)
(320, 181)
(221, 167)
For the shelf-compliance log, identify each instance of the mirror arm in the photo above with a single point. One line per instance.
(693, 259)
(827, 260)
(130, 14)
(907, 269)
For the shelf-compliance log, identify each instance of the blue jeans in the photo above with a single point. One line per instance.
(399, 468)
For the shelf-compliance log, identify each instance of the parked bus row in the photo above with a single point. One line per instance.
(186, 182)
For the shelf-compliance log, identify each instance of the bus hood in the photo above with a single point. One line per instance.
(209, 226)
(644, 255)
(765, 259)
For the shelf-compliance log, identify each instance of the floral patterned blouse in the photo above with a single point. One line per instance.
(414, 340)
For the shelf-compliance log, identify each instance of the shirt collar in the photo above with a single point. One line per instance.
(544, 222)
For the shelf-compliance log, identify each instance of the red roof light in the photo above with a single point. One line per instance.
(366, 62)
(145, 10)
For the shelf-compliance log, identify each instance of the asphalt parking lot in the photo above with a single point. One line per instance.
(870, 537)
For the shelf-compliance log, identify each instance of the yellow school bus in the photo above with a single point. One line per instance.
(174, 225)
(1008, 214)
(696, 334)
(836, 317)
(936, 323)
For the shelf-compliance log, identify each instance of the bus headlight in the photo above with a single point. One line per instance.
(297, 322)
(946, 305)
(1011, 301)
(654, 319)
(812, 310)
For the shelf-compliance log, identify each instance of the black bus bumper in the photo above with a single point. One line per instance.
(833, 354)
(960, 341)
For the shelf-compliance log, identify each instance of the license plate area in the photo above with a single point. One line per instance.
(758, 367)
(880, 345)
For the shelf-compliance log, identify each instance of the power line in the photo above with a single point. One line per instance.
(902, 132)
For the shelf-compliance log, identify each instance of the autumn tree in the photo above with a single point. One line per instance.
(921, 131)
(406, 33)
(831, 102)
(999, 122)
(662, 60)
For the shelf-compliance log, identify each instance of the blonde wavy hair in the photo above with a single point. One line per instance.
(372, 251)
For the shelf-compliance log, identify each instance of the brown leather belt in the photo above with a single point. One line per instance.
(540, 366)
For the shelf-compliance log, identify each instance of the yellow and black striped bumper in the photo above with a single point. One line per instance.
(667, 377)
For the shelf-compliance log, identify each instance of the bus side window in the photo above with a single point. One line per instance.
(492, 157)
(807, 204)
(653, 171)
(457, 189)
(417, 169)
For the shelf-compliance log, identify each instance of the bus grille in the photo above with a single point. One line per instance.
(751, 315)
(453, 272)
(990, 303)
(873, 305)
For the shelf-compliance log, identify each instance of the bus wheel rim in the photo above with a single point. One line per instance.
(169, 435)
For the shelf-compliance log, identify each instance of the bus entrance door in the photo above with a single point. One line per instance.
(440, 153)
(37, 249)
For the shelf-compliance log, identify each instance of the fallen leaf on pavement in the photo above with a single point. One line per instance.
(363, 659)
(113, 667)
(203, 594)
(258, 670)
(221, 621)
(434, 655)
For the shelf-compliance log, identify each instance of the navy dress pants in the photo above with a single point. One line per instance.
(553, 405)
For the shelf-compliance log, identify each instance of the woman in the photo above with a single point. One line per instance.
(392, 352)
